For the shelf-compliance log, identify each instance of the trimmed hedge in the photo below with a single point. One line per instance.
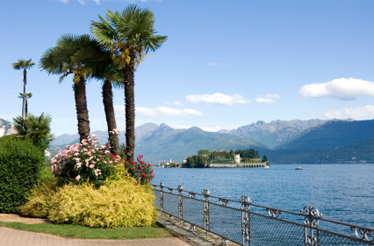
(20, 163)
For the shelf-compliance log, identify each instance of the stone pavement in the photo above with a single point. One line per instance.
(11, 237)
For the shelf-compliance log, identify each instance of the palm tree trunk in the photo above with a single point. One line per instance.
(26, 107)
(81, 108)
(110, 117)
(24, 91)
(128, 82)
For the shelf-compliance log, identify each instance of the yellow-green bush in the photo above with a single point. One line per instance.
(38, 200)
(120, 202)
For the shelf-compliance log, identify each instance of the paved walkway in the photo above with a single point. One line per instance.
(11, 237)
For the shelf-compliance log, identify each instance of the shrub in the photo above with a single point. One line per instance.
(84, 162)
(120, 202)
(38, 200)
(20, 163)
(140, 170)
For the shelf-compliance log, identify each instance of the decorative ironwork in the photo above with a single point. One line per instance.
(311, 219)
(273, 212)
(223, 201)
(162, 196)
(246, 201)
(311, 216)
(363, 233)
(192, 194)
(206, 194)
(244, 227)
(180, 203)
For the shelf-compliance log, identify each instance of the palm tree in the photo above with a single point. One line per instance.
(23, 64)
(35, 128)
(71, 55)
(25, 97)
(130, 35)
(111, 77)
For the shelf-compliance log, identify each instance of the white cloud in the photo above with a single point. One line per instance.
(213, 64)
(344, 89)
(217, 98)
(81, 1)
(176, 103)
(268, 98)
(160, 111)
(63, 1)
(351, 113)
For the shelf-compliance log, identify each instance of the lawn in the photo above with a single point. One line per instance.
(76, 231)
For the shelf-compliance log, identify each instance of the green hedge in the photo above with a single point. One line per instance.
(20, 163)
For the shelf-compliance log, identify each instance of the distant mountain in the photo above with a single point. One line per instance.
(6, 128)
(276, 132)
(355, 152)
(167, 143)
(332, 134)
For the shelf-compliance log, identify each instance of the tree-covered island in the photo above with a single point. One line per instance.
(238, 158)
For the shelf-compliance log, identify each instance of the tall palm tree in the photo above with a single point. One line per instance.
(71, 55)
(25, 96)
(130, 35)
(23, 64)
(111, 77)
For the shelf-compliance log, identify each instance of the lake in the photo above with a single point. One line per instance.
(341, 192)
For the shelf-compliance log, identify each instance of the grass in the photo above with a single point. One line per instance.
(76, 231)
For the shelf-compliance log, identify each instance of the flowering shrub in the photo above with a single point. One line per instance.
(84, 162)
(140, 170)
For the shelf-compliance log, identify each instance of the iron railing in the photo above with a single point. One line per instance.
(246, 223)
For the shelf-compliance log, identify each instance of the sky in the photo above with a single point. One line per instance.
(225, 63)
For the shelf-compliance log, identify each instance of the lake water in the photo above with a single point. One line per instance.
(341, 192)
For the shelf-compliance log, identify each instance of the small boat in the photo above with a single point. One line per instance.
(298, 168)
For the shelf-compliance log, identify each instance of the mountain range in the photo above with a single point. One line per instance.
(295, 141)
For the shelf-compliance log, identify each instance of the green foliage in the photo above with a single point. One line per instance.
(35, 128)
(250, 153)
(265, 158)
(20, 163)
(190, 162)
(203, 152)
(140, 170)
(38, 201)
(119, 202)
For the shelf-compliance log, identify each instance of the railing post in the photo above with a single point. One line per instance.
(246, 220)
(162, 196)
(206, 194)
(311, 221)
(180, 204)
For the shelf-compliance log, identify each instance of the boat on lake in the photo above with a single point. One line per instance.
(298, 168)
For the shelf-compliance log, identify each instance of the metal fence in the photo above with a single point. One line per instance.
(245, 223)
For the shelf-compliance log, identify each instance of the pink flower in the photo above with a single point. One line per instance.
(78, 165)
(106, 152)
(97, 172)
(78, 177)
(92, 166)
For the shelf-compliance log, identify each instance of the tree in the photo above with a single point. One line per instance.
(74, 55)
(130, 35)
(232, 154)
(111, 77)
(23, 64)
(190, 161)
(35, 128)
(203, 152)
(265, 158)
(25, 97)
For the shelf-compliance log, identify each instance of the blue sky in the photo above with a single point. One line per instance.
(225, 64)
